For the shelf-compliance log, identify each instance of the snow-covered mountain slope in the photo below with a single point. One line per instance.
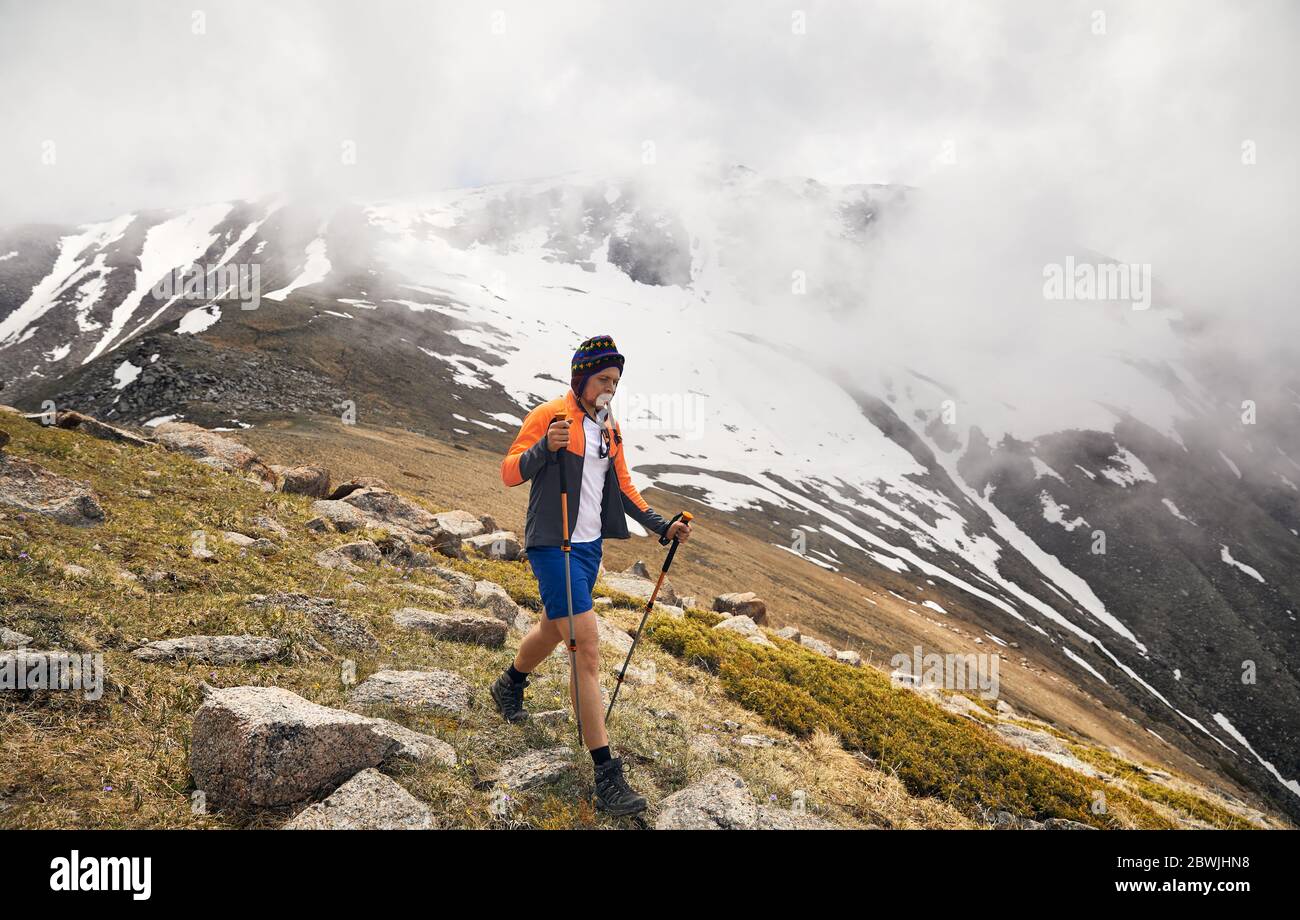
(794, 361)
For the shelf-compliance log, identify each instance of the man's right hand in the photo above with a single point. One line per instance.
(557, 436)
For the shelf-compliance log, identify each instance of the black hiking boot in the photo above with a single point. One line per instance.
(509, 697)
(613, 795)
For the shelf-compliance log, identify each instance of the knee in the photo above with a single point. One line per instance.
(589, 655)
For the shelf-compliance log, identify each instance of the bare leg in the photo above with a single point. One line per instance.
(540, 642)
(593, 708)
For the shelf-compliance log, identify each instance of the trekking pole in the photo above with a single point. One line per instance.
(568, 587)
(668, 560)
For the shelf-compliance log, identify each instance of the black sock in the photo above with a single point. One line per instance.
(516, 676)
(600, 755)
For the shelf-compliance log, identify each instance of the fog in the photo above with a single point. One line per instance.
(1163, 134)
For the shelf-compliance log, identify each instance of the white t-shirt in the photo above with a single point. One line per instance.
(594, 470)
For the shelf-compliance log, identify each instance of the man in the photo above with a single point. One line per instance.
(590, 444)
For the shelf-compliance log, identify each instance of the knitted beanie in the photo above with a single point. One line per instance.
(592, 357)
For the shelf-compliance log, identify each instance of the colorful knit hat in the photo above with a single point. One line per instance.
(593, 356)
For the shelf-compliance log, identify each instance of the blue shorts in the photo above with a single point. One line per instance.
(548, 567)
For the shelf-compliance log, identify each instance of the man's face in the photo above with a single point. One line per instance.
(605, 382)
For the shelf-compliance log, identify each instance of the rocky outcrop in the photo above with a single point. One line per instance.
(344, 489)
(345, 557)
(217, 650)
(536, 768)
(12, 639)
(434, 689)
(456, 626)
(497, 601)
(722, 801)
(313, 481)
(265, 746)
(499, 544)
(642, 588)
(746, 604)
(213, 449)
(369, 801)
(817, 645)
(32, 488)
(68, 419)
(747, 628)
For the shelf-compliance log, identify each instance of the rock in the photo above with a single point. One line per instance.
(462, 585)
(1004, 708)
(426, 591)
(602, 602)
(368, 801)
(757, 741)
(780, 819)
(720, 801)
(11, 639)
(686, 601)
(790, 632)
(730, 725)
(535, 768)
(1044, 745)
(407, 519)
(345, 557)
(613, 636)
(4, 440)
(415, 746)
(639, 570)
(71, 570)
(97, 429)
(642, 588)
(29, 487)
(212, 649)
(399, 551)
(344, 489)
(325, 615)
(740, 624)
(818, 646)
(356, 587)
(460, 523)
(342, 516)
(434, 689)
(257, 747)
(489, 523)
(214, 449)
(492, 597)
(269, 524)
(849, 657)
(456, 626)
(760, 640)
(499, 544)
(550, 717)
(260, 545)
(746, 604)
(313, 481)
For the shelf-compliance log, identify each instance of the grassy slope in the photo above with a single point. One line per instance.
(122, 761)
(732, 552)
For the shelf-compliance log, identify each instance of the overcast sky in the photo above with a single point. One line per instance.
(1121, 124)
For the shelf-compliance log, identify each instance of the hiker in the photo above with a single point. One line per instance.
(590, 444)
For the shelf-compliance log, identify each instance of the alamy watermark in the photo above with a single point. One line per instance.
(26, 670)
(1114, 281)
(212, 283)
(951, 671)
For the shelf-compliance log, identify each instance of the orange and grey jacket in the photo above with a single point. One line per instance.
(528, 458)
